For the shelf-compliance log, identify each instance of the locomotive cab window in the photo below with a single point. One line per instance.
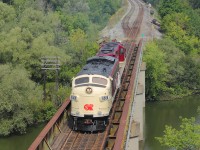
(99, 80)
(82, 80)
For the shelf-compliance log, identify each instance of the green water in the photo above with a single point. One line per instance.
(159, 114)
(20, 142)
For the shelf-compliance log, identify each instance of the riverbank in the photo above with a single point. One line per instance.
(20, 142)
(172, 97)
(161, 113)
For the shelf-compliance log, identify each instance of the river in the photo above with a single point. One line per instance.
(159, 114)
(20, 142)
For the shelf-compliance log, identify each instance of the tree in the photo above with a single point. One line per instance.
(194, 22)
(176, 26)
(187, 138)
(7, 15)
(34, 21)
(18, 96)
(78, 43)
(156, 70)
(171, 6)
(191, 77)
(31, 29)
(195, 3)
(174, 61)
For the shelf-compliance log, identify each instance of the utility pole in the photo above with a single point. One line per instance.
(50, 63)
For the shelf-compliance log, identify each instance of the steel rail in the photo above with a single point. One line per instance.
(101, 139)
(121, 136)
(115, 104)
(121, 126)
(44, 133)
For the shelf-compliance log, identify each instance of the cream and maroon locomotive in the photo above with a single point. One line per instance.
(94, 88)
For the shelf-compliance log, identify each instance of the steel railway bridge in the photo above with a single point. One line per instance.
(125, 128)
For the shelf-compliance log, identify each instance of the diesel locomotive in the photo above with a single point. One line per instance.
(95, 86)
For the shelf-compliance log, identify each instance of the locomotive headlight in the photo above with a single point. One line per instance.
(73, 98)
(104, 98)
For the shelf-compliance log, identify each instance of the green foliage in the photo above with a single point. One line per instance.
(187, 137)
(101, 10)
(156, 70)
(198, 110)
(13, 44)
(175, 26)
(180, 77)
(181, 24)
(63, 93)
(173, 60)
(194, 22)
(37, 22)
(17, 94)
(44, 111)
(195, 3)
(7, 15)
(168, 7)
(183, 29)
(81, 21)
(33, 29)
(191, 77)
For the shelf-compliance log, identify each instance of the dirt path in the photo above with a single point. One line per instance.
(148, 31)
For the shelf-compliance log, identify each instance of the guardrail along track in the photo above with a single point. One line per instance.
(57, 135)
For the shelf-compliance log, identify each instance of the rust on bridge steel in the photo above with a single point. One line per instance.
(114, 135)
(114, 122)
(120, 134)
(41, 137)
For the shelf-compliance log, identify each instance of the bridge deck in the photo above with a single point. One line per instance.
(57, 135)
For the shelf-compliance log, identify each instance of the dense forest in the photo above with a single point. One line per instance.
(174, 66)
(174, 61)
(32, 29)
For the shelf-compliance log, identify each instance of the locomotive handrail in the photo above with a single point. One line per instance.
(41, 137)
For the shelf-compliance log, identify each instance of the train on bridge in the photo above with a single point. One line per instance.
(95, 86)
(118, 123)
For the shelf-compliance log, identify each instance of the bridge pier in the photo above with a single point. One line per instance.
(137, 127)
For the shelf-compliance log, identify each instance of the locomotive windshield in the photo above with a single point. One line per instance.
(82, 80)
(99, 80)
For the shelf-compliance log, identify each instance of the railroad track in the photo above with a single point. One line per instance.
(126, 19)
(67, 139)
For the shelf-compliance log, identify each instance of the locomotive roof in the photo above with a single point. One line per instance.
(100, 65)
(109, 47)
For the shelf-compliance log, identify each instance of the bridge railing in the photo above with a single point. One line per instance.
(125, 121)
(137, 68)
(54, 127)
